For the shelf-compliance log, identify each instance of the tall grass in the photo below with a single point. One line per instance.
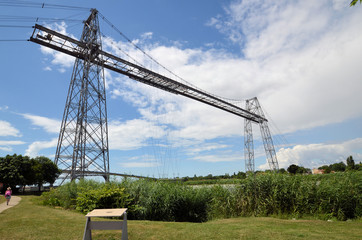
(328, 196)
(336, 195)
(145, 200)
(169, 201)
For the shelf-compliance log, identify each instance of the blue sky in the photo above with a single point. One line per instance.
(302, 59)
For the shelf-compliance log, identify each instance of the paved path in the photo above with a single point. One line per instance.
(13, 201)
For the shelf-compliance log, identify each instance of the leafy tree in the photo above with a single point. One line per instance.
(21, 170)
(45, 171)
(326, 169)
(350, 163)
(359, 166)
(354, 2)
(303, 170)
(292, 169)
(241, 175)
(338, 167)
(11, 170)
(282, 170)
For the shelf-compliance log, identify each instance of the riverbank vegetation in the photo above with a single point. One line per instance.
(329, 196)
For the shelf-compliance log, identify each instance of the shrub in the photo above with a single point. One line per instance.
(104, 197)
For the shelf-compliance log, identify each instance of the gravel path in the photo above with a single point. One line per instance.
(13, 201)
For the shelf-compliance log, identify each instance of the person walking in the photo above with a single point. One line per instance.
(8, 195)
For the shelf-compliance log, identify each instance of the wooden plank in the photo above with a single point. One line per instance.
(114, 212)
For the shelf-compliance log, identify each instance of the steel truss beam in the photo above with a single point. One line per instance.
(80, 50)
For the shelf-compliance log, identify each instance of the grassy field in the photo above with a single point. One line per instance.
(31, 221)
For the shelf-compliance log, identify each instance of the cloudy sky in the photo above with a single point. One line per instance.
(301, 59)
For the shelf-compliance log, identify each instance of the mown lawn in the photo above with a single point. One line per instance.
(2, 199)
(31, 221)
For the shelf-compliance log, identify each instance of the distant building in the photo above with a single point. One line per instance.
(318, 171)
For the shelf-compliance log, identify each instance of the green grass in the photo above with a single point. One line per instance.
(31, 221)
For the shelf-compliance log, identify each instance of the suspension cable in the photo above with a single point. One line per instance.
(14, 26)
(7, 18)
(13, 40)
(41, 5)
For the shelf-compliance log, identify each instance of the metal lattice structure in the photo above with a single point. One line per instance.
(253, 106)
(83, 142)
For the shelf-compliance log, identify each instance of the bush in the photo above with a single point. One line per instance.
(107, 196)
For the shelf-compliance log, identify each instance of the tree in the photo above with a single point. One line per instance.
(303, 170)
(11, 173)
(241, 175)
(326, 169)
(338, 167)
(45, 171)
(292, 169)
(282, 170)
(350, 163)
(354, 2)
(21, 170)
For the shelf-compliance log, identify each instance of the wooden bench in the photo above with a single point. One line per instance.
(106, 225)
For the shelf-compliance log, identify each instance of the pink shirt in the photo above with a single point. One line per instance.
(8, 193)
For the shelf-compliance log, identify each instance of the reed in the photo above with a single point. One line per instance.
(337, 196)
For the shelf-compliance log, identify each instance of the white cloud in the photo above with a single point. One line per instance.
(6, 145)
(147, 35)
(34, 148)
(143, 161)
(218, 158)
(47, 68)
(3, 108)
(299, 74)
(207, 147)
(132, 134)
(60, 59)
(11, 142)
(48, 124)
(316, 155)
(303, 59)
(6, 129)
(139, 164)
(6, 149)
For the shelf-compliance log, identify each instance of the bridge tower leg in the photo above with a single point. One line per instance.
(253, 106)
(83, 139)
(248, 143)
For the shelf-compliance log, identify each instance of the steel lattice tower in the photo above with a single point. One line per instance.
(252, 105)
(82, 148)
